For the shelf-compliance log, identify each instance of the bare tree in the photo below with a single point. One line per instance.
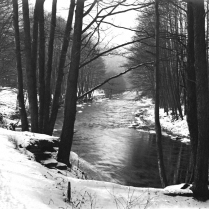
(55, 103)
(49, 66)
(20, 96)
(41, 65)
(71, 92)
(200, 187)
(157, 86)
(30, 71)
(191, 89)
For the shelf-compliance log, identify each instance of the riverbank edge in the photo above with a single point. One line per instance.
(79, 184)
(33, 186)
(144, 122)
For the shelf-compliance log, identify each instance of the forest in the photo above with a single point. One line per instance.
(56, 62)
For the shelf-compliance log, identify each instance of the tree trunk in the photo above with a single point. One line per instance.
(41, 65)
(55, 103)
(157, 120)
(20, 96)
(47, 101)
(31, 73)
(200, 187)
(34, 45)
(191, 87)
(71, 93)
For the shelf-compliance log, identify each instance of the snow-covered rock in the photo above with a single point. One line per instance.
(33, 142)
(180, 189)
(49, 163)
(61, 166)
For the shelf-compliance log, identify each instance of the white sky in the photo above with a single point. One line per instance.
(126, 19)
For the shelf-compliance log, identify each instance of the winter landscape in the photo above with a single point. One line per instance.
(26, 183)
(104, 104)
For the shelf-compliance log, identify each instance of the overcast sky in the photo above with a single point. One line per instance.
(126, 20)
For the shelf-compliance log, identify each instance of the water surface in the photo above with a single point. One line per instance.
(124, 155)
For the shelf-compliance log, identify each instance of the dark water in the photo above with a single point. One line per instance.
(124, 155)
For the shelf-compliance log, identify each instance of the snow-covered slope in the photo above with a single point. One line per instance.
(26, 184)
(144, 119)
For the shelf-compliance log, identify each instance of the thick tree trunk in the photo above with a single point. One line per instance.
(41, 65)
(31, 73)
(157, 95)
(200, 187)
(20, 96)
(55, 103)
(191, 88)
(71, 93)
(47, 101)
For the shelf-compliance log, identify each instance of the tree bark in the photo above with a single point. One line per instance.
(161, 166)
(30, 72)
(34, 45)
(191, 88)
(41, 65)
(47, 101)
(20, 96)
(71, 93)
(55, 103)
(200, 187)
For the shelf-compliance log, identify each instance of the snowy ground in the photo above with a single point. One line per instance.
(8, 97)
(144, 119)
(26, 184)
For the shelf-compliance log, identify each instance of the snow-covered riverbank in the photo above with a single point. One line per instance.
(25, 183)
(144, 120)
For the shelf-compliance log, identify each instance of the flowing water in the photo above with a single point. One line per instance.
(122, 154)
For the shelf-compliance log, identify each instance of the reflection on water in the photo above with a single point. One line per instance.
(125, 155)
(129, 157)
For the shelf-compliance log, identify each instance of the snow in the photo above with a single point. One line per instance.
(109, 196)
(26, 184)
(144, 118)
(178, 190)
(99, 93)
(6, 96)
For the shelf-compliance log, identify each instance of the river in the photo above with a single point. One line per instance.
(121, 154)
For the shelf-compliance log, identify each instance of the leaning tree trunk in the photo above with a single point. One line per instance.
(157, 95)
(200, 187)
(30, 71)
(191, 103)
(55, 103)
(20, 96)
(71, 92)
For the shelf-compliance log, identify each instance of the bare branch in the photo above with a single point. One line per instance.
(115, 76)
(109, 50)
(117, 26)
(90, 8)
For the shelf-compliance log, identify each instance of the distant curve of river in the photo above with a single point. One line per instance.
(125, 155)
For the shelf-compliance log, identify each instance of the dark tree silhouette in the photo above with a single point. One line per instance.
(71, 92)
(30, 71)
(49, 66)
(191, 104)
(157, 96)
(200, 187)
(66, 40)
(20, 96)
